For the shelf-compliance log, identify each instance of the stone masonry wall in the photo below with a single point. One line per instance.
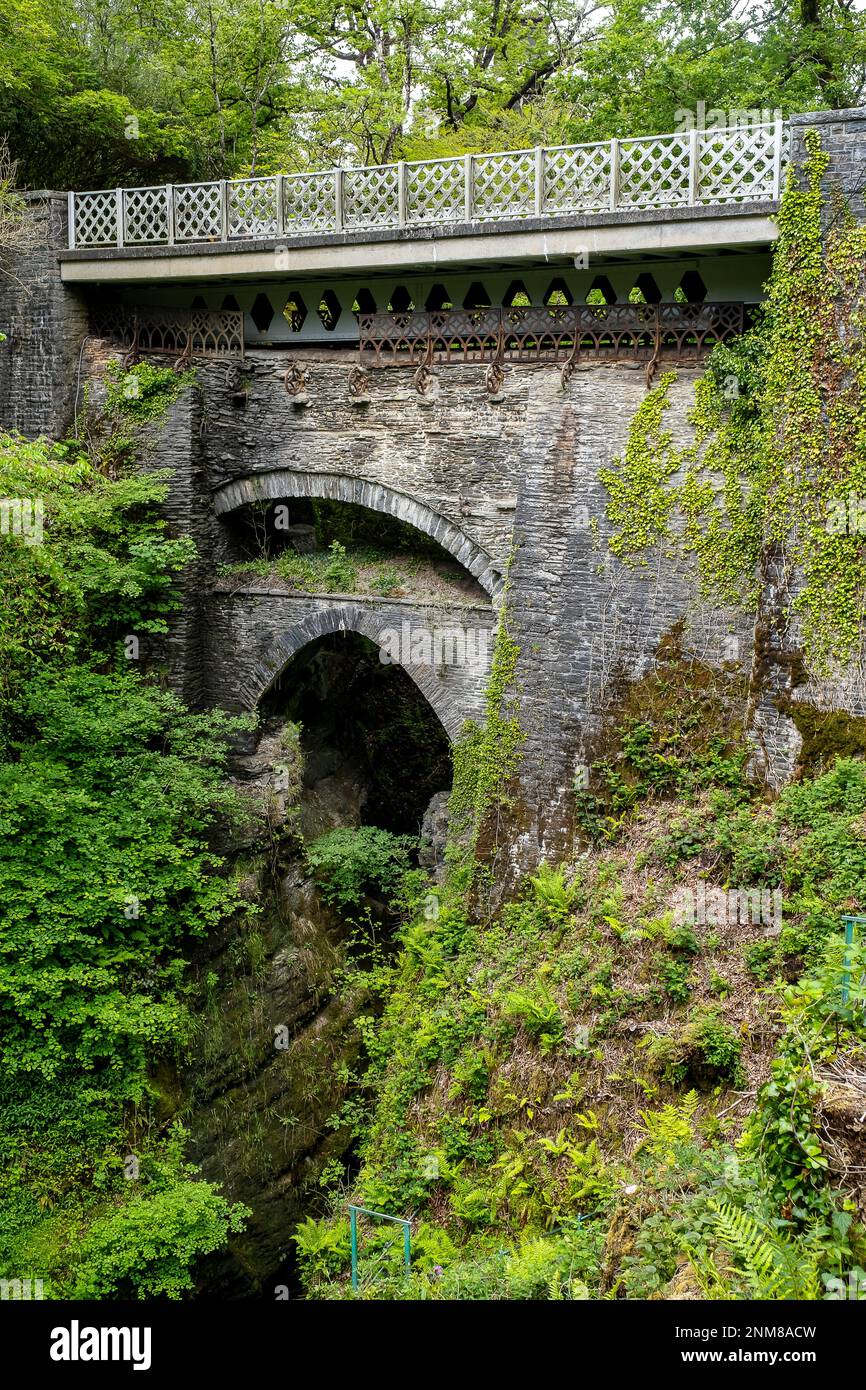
(251, 636)
(843, 136)
(45, 324)
(518, 479)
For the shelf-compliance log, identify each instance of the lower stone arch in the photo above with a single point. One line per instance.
(359, 492)
(351, 618)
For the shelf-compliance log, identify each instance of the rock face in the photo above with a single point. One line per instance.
(434, 833)
(276, 1027)
(335, 800)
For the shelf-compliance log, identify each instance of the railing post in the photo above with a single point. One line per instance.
(401, 193)
(281, 211)
(694, 170)
(614, 174)
(468, 189)
(338, 200)
(169, 213)
(118, 208)
(353, 1239)
(224, 211)
(70, 219)
(778, 140)
(539, 180)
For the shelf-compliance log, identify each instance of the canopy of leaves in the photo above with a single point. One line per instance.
(94, 93)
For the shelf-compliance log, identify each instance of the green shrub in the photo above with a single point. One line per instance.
(145, 1249)
(129, 784)
(705, 1051)
(760, 957)
(348, 863)
(674, 975)
(680, 936)
(323, 1248)
(340, 574)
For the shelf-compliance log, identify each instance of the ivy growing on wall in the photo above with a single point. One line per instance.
(485, 758)
(778, 458)
(640, 499)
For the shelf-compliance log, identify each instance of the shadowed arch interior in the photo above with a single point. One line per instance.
(352, 618)
(375, 749)
(286, 484)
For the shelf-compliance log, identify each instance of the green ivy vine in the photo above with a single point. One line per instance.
(778, 458)
(640, 500)
(486, 757)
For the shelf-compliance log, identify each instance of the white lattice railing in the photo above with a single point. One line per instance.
(698, 169)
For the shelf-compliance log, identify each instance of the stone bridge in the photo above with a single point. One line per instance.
(446, 648)
(497, 460)
(280, 484)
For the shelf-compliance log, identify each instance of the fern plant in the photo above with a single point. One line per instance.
(773, 1267)
(669, 1129)
(552, 892)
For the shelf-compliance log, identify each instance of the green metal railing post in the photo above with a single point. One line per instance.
(353, 1227)
(382, 1216)
(849, 942)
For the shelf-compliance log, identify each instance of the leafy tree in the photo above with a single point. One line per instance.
(95, 93)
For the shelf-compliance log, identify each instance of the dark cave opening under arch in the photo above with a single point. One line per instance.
(369, 736)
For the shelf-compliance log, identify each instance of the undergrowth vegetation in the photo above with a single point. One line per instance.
(557, 1121)
(109, 793)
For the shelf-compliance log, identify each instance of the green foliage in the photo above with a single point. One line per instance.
(480, 1109)
(168, 93)
(773, 1269)
(675, 732)
(777, 417)
(785, 1128)
(143, 393)
(485, 759)
(340, 575)
(388, 581)
(322, 1248)
(640, 499)
(105, 567)
(552, 890)
(669, 1129)
(110, 792)
(145, 1248)
(128, 783)
(674, 975)
(347, 863)
(706, 1050)
(537, 1012)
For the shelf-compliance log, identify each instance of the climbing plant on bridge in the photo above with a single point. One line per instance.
(778, 419)
(485, 758)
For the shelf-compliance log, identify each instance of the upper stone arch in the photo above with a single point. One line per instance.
(351, 617)
(359, 492)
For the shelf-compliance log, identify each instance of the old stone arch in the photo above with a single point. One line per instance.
(452, 698)
(286, 483)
